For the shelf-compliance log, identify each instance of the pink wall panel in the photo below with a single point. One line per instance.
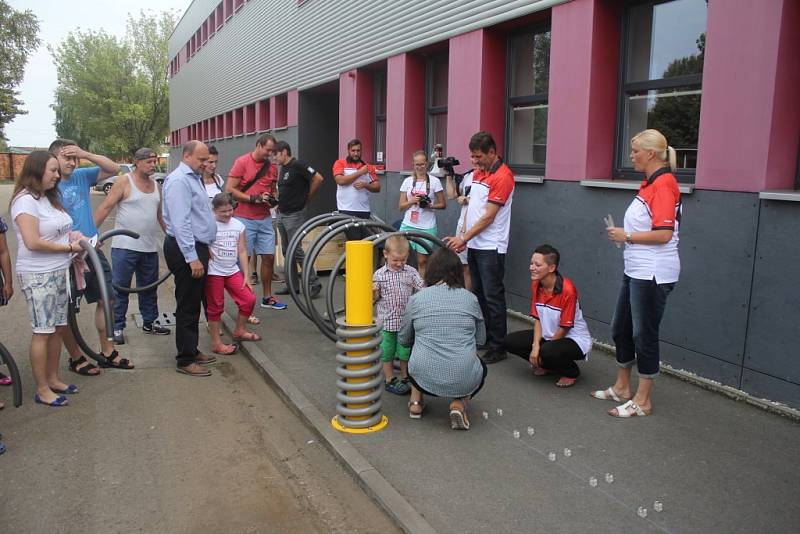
(582, 96)
(262, 115)
(292, 107)
(277, 111)
(405, 109)
(476, 96)
(746, 120)
(357, 109)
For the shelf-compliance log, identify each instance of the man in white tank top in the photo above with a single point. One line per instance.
(138, 203)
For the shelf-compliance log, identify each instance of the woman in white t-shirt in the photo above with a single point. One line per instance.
(420, 194)
(44, 245)
(226, 272)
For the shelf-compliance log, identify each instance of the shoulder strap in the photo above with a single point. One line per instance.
(260, 174)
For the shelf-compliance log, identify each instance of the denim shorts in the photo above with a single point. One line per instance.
(259, 234)
(46, 295)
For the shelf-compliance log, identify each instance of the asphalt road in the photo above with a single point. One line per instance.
(153, 451)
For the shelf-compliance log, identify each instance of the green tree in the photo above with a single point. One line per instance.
(112, 95)
(18, 39)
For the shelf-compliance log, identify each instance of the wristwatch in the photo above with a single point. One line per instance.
(629, 238)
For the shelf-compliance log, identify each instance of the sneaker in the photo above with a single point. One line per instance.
(156, 330)
(119, 338)
(272, 302)
(397, 386)
(285, 291)
(254, 279)
(494, 355)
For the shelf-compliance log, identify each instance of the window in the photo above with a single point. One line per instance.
(436, 102)
(380, 116)
(528, 80)
(662, 75)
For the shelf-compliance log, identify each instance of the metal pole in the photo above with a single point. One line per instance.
(360, 380)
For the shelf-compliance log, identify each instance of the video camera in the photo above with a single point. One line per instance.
(447, 164)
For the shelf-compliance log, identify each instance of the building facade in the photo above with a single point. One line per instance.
(562, 85)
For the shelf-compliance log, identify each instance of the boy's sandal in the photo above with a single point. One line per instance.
(415, 409)
(122, 363)
(253, 320)
(225, 350)
(566, 382)
(246, 336)
(629, 409)
(85, 370)
(608, 394)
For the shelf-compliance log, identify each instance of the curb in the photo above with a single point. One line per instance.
(697, 380)
(369, 478)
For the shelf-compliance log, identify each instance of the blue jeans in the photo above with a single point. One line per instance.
(640, 306)
(487, 269)
(145, 266)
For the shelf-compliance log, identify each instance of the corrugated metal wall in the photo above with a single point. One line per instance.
(271, 46)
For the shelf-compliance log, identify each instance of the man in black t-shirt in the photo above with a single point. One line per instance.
(297, 184)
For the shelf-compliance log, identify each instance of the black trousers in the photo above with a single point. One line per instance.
(487, 269)
(189, 294)
(557, 356)
(356, 234)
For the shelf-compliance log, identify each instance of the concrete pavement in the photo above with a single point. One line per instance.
(716, 465)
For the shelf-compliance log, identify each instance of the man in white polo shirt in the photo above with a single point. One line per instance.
(355, 180)
(486, 238)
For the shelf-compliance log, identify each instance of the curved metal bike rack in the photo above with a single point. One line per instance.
(13, 372)
(421, 238)
(72, 310)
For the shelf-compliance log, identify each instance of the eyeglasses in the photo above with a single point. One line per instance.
(420, 164)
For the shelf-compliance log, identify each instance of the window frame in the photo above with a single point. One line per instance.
(431, 110)
(518, 101)
(621, 171)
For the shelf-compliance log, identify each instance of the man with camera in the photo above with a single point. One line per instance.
(297, 185)
(251, 182)
(355, 180)
(486, 238)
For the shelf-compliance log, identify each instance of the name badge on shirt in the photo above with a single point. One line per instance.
(414, 216)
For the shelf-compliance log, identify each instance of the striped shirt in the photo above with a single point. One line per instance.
(394, 290)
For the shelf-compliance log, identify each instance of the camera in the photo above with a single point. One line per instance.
(424, 201)
(271, 200)
(447, 164)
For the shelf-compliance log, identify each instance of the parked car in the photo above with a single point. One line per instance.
(159, 177)
(105, 185)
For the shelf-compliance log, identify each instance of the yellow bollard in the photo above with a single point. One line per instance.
(358, 316)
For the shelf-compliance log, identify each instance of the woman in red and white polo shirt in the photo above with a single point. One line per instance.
(560, 334)
(652, 267)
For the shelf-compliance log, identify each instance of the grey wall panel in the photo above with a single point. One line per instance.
(703, 365)
(317, 140)
(773, 334)
(768, 387)
(271, 46)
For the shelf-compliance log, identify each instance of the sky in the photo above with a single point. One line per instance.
(56, 19)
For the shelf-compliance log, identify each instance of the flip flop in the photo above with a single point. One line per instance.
(246, 336)
(225, 350)
(566, 382)
(629, 409)
(608, 394)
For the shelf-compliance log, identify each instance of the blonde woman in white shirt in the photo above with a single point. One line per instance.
(420, 194)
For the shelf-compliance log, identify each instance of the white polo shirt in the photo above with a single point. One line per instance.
(657, 206)
(495, 186)
(349, 198)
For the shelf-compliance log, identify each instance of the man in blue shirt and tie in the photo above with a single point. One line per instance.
(191, 228)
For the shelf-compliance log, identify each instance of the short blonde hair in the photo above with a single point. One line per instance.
(654, 140)
(397, 243)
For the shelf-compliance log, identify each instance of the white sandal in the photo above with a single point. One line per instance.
(629, 409)
(608, 394)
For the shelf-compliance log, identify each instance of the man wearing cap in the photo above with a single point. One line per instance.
(138, 203)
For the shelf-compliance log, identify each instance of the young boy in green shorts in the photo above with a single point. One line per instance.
(392, 286)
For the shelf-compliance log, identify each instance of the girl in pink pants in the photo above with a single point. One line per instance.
(228, 258)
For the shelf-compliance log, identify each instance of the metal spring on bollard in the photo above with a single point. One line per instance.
(360, 380)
